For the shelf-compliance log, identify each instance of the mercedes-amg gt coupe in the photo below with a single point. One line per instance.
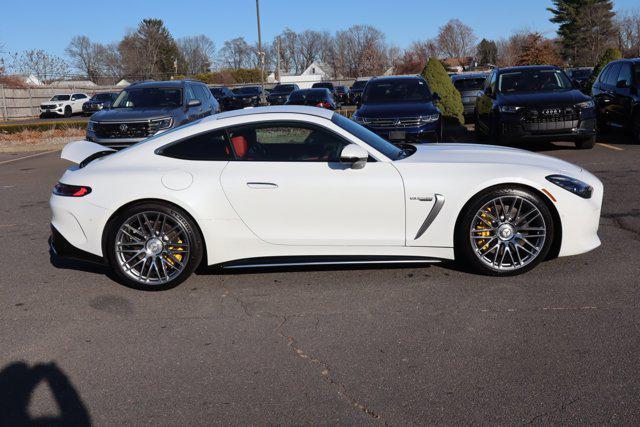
(284, 185)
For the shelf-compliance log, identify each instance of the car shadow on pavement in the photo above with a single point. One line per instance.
(17, 384)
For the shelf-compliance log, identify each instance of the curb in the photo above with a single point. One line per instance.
(30, 148)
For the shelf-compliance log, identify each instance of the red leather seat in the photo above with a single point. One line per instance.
(240, 145)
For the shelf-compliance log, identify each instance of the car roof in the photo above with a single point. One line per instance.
(386, 78)
(288, 109)
(161, 83)
(528, 67)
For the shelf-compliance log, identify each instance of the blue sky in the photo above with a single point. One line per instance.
(49, 25)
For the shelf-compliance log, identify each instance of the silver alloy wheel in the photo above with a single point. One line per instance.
(152, 247)
(508, 232)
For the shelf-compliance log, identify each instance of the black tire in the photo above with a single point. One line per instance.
(601, 124)
(494, 135)
(181, 218)
(635, 125)
(468, 256)
(587, 143)
(67, 111)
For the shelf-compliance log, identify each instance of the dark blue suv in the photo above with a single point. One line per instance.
(400, 109)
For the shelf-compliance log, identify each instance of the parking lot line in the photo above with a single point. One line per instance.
(27, 157)
(611, 147)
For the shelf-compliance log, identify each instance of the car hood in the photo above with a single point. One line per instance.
(121, 114)
(397, 109)
(487, 154)
(540, 99)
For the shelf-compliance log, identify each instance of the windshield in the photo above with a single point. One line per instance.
(149, 97)
(469, 84)
(248, 90)
(217, 91)
(60, 98)
(283, 88)
(309, 95)
(397, 90)
(533, 81)
(364, 134)
(359, 84)
(102, 97)
(581, 73)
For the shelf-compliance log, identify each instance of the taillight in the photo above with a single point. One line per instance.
(323, 105)
(71, 190)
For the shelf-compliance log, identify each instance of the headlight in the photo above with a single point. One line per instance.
(586, 104)
(59, 105)
(431, 118)
(573, 185)
(510, 109)
(163, 123)
(90, 126)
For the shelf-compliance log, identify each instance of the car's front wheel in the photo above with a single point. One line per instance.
(587, 143)
(504, 231)
(153, 246)
(67, 111)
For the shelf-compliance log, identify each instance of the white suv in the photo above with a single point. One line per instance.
(64, 105)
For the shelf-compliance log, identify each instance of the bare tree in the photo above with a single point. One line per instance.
(235, 53)
(44, 66)
(310, 45)
(84, 56)
(109, 60)
(456, 40)
(362, 50)
(627, 26)
(197, 53)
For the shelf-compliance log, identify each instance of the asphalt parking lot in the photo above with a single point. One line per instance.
(395, 346)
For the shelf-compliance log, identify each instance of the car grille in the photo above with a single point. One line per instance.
(551, 119)
(400, 122)
(48, 107)
(124, 130)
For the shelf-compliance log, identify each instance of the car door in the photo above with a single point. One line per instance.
(622, 100)
(484, 103)
(289, 188)
(607, 97)
(77, 100)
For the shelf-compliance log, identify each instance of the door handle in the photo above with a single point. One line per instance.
(262, 185)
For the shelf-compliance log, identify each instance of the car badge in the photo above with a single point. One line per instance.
(551, 111)
(124, 127)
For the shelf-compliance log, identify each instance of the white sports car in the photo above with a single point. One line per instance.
(303, 185)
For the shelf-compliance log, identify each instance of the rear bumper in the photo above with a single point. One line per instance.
(61, 248)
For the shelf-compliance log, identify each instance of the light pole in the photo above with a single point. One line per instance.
(263, 99)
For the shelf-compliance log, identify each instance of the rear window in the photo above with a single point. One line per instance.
(323, 85)
(359, 84)
(469, 84)
(283, 88)
(249, 90)
(310, 95)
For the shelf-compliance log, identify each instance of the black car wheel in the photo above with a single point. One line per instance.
(152, 246)
(587, 143)
(67, 111)
(504, 232)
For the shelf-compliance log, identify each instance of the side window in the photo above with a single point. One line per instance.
(205, 146)
(201, 93)
(492, 81)
(625, 74)
(612, 76)
(189, 94)
(602, 78)
(285, 142)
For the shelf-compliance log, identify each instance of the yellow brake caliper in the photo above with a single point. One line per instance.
(483, 243)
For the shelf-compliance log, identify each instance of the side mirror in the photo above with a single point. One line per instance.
(194, 103)
(435, 96)
(355, 155)
(622, 84)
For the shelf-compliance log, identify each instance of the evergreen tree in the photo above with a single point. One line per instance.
(450, 103)
(487, 52)
(586, 28)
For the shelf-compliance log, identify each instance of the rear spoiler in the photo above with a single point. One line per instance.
(83, 152)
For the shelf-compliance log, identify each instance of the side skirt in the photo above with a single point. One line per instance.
(325, 260)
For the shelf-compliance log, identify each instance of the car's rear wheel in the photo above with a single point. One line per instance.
(153, 246)
(587, 143)
(67, 111)
(504, 232)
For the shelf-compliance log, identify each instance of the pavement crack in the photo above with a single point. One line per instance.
(229, 293)
(326, 374)
(561, 408)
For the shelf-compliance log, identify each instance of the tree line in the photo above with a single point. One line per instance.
(586, 29)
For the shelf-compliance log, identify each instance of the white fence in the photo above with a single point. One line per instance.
(24, 103)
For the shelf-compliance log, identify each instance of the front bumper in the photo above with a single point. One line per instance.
(514, 128)
(430, 132)
(58, 111)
